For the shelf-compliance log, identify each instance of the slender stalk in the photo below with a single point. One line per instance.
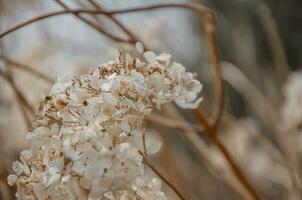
(205, 153)
(196, 7)
(98, 27)
(219, 98)
(273, 36)
(174, 123)
(132, 37)
(21, 100)
(24, 114)
(212, 135)
(18, 93)
(161, 176)
(144, 137)
(26, 68)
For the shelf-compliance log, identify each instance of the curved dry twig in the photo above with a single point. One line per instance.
(98, 27)
(203, 150)
(26, 68)
(131, 36)
(21, 100)
(205, 12)
(173, 123)
(211, 133)
(161, 176)
(19, 94)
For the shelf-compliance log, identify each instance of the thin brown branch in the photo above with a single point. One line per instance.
(204, 152)
(98, 27)
(21, 100)
(268, 115)
(196, 7)
(18, 93)
(219, 98)
(26, 68)
(274, 39)
(132, 37)
(212, 135)
(173, 123)
(161, 176)
(24, 114)
(144, 136)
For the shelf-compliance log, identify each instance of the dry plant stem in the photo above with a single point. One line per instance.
(144, 137)
(24, 114)
(4, 190)
(274, 39)
(161, 176)
(204, 12)
(219, 98)
(211, 133)
(267, 113)
(173, 123)
(22, 102)
(26, 68)
(205, 153)
(107, 13)
(132, 37)
(171, 170)
(98, 27)
(18, 93)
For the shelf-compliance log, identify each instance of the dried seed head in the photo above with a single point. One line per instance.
(88, 131)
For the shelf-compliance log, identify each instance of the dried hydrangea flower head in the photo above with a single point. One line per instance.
(88, 133)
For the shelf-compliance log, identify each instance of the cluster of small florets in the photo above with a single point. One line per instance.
(87, 138)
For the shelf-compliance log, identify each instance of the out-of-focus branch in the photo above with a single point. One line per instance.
(173, 123)
(219, 98)
(132, 37)
(270, 27)
(26, 68)
(203, 151)
(267, 114)
(98, 27)
(212, 135)
(21, 100)
(196, 7)
(19, 94)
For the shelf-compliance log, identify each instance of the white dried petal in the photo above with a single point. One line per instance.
(18, 167)
(121, 148)
(139, 47)
(150, 56)
(53, 180)
(12, 179)
(66, 178)
(153, 146)
(26, 154)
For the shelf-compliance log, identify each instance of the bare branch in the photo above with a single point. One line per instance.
(132, 37)
(26, 68)
(98, 27)
(160, 175)
(212, 135)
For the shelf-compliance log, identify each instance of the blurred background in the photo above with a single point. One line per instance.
(260, 51)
